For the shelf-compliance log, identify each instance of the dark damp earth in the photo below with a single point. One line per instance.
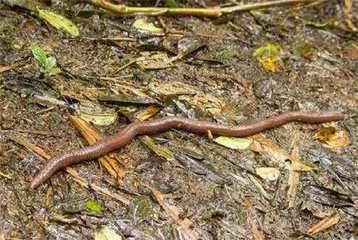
(199, 68)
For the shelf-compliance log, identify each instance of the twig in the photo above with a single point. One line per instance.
(11, 66)
(123, 10)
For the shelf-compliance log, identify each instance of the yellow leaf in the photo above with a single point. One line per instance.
(268, 55)
(96, 114)
(160, 151)
(332, 137)
(233, 142)
(142, 24)
(59, 22)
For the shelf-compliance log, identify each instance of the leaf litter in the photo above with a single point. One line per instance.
(318, 75)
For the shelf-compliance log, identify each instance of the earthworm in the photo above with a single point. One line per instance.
(124, 136)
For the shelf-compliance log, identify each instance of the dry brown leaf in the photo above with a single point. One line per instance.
(315, 212)
(64, 219)
(186, 225)
(258, 235)
(348, 4)
(193, 95)
(352, 53)
(268, 173)
(146, 113)
(325, 224)
(332, 137)
(152, 60)
(263, 144)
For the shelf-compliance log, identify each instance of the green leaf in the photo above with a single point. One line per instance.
(53, 71)
(16, 46)
(171, 3)
(105, 233)
(94, 206)
(50, 62)
(318, 24)
(233, 142)
(39, 54)
(59, 22)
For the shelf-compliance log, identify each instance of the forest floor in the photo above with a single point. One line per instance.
(296, 181)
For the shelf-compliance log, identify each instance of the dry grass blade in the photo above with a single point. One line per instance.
(11, 66)
(185, 224)
(293, 183)
(43, 154)
(252, 219)
(81, 181)
(30, 146)
(120, 197)
(92, 136)
(325, 223)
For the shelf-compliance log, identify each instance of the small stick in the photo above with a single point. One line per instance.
(123, 10)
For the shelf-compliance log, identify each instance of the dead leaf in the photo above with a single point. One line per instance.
(268, 173)
(351, 25)
(352, 53)
(268, 55)
(348, 4)
(160, 150)
(253, 219)
(143, 24)
(263, 144)
(233, 142)
(332, 137)
(158, 60)
(64, 219)
(146, 113)
(96, 114)
(263, 191)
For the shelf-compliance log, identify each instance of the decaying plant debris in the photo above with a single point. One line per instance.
(73, 72)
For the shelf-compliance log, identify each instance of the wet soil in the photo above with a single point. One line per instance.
(216, 188)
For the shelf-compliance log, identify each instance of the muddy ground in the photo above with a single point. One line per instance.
(217, 190)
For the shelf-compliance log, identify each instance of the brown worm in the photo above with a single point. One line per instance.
(124, 136)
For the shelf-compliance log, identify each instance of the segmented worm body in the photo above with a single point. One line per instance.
(124, 136)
